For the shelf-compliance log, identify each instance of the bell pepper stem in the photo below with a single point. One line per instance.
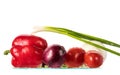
(6, 52)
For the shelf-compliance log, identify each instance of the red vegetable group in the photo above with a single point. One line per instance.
(32, 51)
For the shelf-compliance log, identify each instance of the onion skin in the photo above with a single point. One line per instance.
(53, 56)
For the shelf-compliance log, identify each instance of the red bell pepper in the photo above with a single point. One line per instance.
(27, 51)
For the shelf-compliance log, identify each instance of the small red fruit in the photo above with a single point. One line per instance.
(74, 57)
(93, 59)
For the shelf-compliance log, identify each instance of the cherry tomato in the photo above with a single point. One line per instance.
(74, 57)
(93, 59)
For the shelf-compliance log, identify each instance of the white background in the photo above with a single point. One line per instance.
(96, 17)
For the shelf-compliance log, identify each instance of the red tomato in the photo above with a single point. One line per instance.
(93, 59)
(74, 57)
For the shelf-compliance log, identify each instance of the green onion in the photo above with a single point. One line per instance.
(85, 36)
(80, 36)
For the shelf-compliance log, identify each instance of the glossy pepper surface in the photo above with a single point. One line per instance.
(27, 51)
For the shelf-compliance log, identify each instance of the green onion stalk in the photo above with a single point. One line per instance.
(79, 36)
